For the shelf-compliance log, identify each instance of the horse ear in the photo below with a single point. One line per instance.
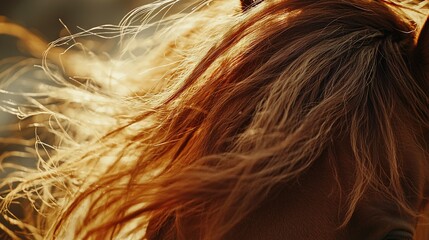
(422, 48)
(246, 4)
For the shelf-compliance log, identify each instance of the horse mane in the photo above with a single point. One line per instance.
(225, 112)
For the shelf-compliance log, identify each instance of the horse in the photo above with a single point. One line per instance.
(273, 119)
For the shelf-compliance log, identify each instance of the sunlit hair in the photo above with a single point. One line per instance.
(199, 123)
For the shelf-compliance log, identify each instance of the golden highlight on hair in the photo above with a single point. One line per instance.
(199, 123)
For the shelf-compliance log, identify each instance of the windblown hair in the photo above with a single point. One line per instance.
(196, 125)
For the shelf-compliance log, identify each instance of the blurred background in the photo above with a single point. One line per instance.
(43, 18)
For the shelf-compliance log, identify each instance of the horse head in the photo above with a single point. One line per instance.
(322, 120)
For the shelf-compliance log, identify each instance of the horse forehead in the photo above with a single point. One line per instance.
(414, 156)
(305, 209)
(313, 206)
(413, 162)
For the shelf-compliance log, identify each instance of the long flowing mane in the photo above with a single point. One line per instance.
(215, 112)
